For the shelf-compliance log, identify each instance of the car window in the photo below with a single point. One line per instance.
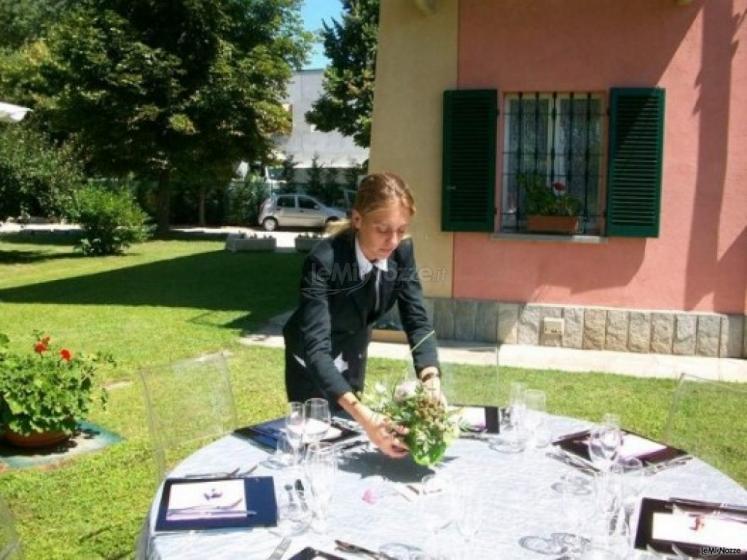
(286, 202)
(307, 203)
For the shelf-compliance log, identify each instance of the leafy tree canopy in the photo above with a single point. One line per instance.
(350, 45)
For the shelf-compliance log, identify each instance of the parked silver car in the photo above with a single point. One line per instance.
(297, 210)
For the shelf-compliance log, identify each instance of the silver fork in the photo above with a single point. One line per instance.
(280, 549)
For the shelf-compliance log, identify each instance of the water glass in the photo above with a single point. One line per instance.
(316, 419)
(294, 424)
(535, 418)
(320, 468)
(605, 442)
(577, 507)
(293, 516)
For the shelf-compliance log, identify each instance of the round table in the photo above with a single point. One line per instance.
(519, 500)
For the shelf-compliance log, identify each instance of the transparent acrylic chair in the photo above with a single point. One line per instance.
(189, 404)
(707, 419)
(10, 543)
(472, 378)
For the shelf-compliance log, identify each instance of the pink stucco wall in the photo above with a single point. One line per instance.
(698, 53)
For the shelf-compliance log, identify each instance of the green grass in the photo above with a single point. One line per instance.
(172, 299)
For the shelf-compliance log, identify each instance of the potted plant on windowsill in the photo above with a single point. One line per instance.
(45, 393)
(550, 208)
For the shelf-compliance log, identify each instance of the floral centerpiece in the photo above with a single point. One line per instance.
(47, 391)
(432, 427)
(550, 207)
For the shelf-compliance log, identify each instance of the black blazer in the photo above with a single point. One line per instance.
(332, 325)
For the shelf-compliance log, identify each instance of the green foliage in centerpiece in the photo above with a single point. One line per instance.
(432, 427)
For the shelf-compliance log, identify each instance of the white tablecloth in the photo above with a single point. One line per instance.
(518, 493)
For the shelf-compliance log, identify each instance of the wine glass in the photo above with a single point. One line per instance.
(577, 506)
(605, 442)
(320, 467)
(470, 511)
(316, 419)
(534, 417)
(294, 423)
(436, 507)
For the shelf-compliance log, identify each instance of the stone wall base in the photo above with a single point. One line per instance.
(596, 328)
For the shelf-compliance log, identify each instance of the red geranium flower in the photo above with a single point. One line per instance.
(40, 347)
(66, 354)
(558, 186)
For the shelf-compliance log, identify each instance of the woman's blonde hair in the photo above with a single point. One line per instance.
(375, 192)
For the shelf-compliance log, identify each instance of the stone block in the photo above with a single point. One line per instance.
(685, 327)
(616, 337)
(639, 331)
(709, 335)
(508, 323)
(443, 320)
(573, 327)
(486, 321)
(465, 313)
(594, 328)
(732, 333)
(529, 324)
(662, 333)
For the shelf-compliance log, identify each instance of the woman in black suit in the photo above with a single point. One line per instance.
(349, 280)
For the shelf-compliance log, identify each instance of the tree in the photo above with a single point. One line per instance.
(166, 89)
(36, 177)
(347, 102)
(314, 185)
(23, 21)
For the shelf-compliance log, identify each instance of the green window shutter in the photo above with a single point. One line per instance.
(468, 189)
(634, 171)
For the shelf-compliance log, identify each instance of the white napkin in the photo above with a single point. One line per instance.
(195, 500)
(473, 416)
(636, 446)
(713, 531)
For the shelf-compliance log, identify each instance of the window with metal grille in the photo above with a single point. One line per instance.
(552, 140)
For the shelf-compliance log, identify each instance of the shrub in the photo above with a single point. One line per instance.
(243, 199)
(111, 221)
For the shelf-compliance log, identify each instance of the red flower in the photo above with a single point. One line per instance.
(558, 186)
(40, 347)
(66, 354)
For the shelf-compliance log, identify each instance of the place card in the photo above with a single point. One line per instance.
(698, 529)
(225, 498)
(633, 445)
(476, 419)
(198, 504)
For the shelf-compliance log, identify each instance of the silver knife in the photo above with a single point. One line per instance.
(280, 549)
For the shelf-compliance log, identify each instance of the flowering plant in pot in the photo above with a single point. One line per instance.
(549, 207)
(45, 393)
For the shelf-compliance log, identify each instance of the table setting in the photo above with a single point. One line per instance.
(500, 483)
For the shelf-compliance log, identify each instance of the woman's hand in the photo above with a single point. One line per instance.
(383, 433)
(386, 435)
(432, 384)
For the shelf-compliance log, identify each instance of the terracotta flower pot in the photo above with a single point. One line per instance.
(36, 440)
(552, 224)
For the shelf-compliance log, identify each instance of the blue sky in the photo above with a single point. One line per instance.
(313, 12)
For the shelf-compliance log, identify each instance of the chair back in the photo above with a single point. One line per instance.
(10, 543)
(708, 419)
(473, 379)
(189, 403)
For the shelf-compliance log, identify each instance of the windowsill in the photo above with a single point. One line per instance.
(545, 237)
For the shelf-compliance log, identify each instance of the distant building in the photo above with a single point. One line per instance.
(333, 150)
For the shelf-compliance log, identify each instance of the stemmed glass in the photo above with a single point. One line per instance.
(436, 507)
(316, 419)
(294, 424)
(320, 467)
(470, 512)
(605, 442)
(534, 417)
(577, 506)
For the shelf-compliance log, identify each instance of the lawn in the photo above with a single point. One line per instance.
(172, 299)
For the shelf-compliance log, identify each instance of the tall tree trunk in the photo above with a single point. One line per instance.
(163, 211)
(201, 206)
